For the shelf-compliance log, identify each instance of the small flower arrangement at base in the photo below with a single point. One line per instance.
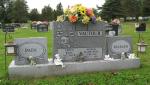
(78, 13)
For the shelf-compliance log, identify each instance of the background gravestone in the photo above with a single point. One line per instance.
(117, 45)
(79, 42)
(42, 28)
(36, 47)
(33, 26)
(8, 28)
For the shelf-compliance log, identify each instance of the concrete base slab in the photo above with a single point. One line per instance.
(50, 69)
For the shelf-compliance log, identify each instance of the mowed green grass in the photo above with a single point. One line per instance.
(140, 76)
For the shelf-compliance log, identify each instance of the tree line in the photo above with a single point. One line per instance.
(18, 10)
(125, 8)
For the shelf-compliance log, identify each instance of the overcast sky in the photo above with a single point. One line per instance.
(39, 4)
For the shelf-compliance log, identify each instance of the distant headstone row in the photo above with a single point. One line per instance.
(40, 27)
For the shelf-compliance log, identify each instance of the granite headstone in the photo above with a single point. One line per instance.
(79, 42)
(42, 28)
(118, 45)
(35, 47)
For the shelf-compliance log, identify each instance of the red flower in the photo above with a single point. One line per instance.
(73, 19)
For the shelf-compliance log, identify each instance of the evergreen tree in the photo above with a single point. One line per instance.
(20, 11)
(47, 13)
(9, 12)
(112, 9)
(3, 10)
(34, 15)
(59, 9)
(131, 8)
(146, 7)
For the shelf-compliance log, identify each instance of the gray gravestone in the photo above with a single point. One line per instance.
(8, 28)
(35, 47)
(79, 42)
(34, 26)
(118, 45)
(42, 28)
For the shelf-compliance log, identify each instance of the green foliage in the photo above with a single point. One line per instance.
(140, 76)
(34, 15)
(13, 11)
(132, 8)
(123, 8)
(112, 9)
(59, 9)
(20, 11)
(47, 13)
(146, 7)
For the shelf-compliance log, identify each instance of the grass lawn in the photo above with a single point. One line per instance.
(140, 76)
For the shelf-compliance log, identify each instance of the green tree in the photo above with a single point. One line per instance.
(59, 10)
(20, 11)
(9, 12)
(3, 10)
(47, 13)
(131, 8)
(112, 9)
(34, 15)
(146, 7)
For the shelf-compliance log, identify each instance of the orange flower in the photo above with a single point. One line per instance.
(73, 19)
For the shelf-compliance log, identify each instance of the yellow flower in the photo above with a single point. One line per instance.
(98, 19)
(82, 10)
(67, 11)
(85, 20)
(60, 18)
(73, 10)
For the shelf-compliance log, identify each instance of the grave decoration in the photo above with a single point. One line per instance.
(79, 45)
(142, 46)
(78, 13)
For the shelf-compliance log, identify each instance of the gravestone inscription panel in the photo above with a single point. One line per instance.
(27, 47)
(76, 42)
(117, 45)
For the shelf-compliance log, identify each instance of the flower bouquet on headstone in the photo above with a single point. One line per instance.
(78, 13)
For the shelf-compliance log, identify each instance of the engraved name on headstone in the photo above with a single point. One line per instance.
(75, 42)
(117, 45)
(35, 47)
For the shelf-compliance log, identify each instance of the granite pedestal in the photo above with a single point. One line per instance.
(50, 69)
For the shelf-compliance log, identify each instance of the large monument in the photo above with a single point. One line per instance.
(80, 44)
(77, 48)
